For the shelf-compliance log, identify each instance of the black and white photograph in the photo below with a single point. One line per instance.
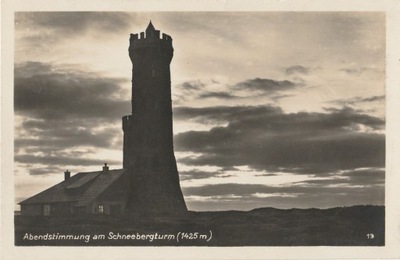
(200, 129)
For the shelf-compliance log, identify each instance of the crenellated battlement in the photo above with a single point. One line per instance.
(144, 36)
(150, 36)
(142, 42)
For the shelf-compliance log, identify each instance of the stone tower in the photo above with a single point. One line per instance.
(148, 140)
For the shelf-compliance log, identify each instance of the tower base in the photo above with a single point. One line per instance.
(154, 188)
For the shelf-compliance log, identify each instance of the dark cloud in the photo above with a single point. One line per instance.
(267, 174)
(278, 97)
(48, 169)
(196, 174)
(359, 177)
(42, 91)
(65, 134)
(353, 187)
(297, 70)
(223, 113)
(351, 71)
(366, 176)
(55, 160)
(191, 85)
(359, 71)
(70, 23)
(273, 89)
(266, 86)
(187, 90)
(265, 138)
(372, 99)
(248, 190)
(64, 140)
(31, 68)
(248, 196)
(220, 95)
(63, 150)
(357, 100)
(62, 111)
(38, 160)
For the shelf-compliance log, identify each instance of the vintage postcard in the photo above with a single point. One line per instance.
(203, 131)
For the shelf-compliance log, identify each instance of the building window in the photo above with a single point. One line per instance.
(101, 209)
(46, 210)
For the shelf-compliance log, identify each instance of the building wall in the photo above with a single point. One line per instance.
(113, 199)
(108, 207)
(60, 209)
(31, 210)
(55, 209)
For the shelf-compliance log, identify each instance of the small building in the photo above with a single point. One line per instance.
(99, 192)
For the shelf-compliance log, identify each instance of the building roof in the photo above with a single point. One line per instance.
(82, 188)
(86, 178)
(102, 182)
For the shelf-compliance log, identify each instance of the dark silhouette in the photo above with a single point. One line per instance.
(149, 158)
(149, 182)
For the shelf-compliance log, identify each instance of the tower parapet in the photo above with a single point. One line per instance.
(150, 38)
(150, 34)
(138, 40)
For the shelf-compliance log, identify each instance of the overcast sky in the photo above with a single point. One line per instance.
(271, 109)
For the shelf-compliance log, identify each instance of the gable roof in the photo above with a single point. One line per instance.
(86, 178)
(102, 182)
(88, 184)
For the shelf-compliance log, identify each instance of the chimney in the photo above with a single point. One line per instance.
(105, 167)
(67, 175)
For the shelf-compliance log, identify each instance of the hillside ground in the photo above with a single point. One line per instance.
(347, 226)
